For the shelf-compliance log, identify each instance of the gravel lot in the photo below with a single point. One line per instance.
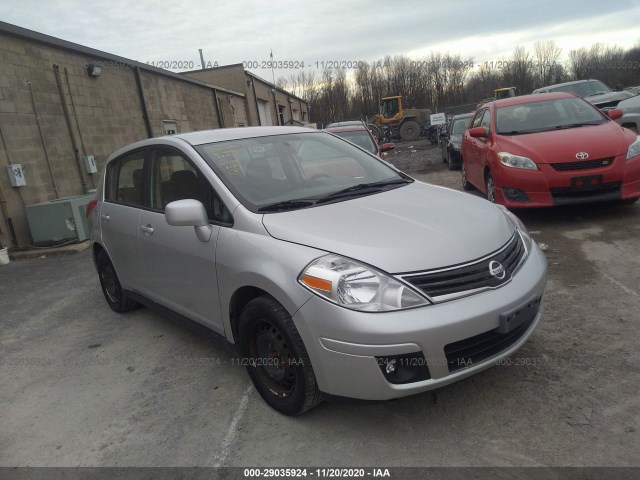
(83, 386)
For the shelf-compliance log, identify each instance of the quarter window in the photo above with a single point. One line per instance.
(125, 180)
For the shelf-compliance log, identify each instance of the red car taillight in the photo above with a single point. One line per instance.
(90, 206)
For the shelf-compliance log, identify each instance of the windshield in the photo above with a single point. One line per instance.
(584, 89)
(547, 115)
(459, 126)
(296, 170)
(360, 138)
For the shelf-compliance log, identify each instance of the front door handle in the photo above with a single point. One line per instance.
(105, 217)
(147, 229)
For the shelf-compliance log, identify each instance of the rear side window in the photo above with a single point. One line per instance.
(175, 178)
(125, 180)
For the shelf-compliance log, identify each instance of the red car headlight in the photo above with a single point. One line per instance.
(516, 161)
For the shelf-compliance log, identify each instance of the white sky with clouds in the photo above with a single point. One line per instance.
(302, 30)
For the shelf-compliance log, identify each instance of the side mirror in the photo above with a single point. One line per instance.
(478, 132)
(619, 87)
(189, 213)
(385, 147)
(615, 113)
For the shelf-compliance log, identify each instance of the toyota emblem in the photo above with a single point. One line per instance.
(497, 270)
(582, 155)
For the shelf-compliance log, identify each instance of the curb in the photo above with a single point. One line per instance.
(47, 252)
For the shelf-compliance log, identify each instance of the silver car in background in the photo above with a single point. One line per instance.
(630, 113)
(333, 272)
(593, 91)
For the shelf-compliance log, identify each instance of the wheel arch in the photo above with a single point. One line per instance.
(240, 298)
(96, 248)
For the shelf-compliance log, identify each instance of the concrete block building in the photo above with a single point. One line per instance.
(61, 102)
(265, 103)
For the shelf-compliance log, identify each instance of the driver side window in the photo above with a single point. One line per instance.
(486, 120)
(477, 119)
(175, 178)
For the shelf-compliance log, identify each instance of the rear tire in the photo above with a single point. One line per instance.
(276, 359)
(113, 293)
(463, 174)
(409, 130)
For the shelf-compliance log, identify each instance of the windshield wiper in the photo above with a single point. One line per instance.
(363, 188)
(575, 125)
(286, 205)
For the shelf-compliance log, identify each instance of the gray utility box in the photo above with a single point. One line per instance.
(58, 220)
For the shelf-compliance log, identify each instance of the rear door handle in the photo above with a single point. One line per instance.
(105, 217)
(147, 229)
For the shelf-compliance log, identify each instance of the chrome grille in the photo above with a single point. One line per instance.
(446, 284)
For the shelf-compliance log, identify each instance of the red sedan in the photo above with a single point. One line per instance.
(550, 149)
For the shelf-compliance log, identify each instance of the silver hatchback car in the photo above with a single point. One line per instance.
(332, 271)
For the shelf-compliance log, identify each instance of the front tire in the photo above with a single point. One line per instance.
(276, 359)
(463, 174)
(110, 284)
(490, 187)
(450, 164)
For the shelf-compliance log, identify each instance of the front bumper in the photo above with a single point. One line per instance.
(343, 344)
(547, 187)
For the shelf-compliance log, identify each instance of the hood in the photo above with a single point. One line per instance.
(630, 105)
(411, 228)
(599, 141)
(609, 97)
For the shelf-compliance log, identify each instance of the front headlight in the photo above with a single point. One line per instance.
(357, 286)
(516, 161)
(524, 233)
(634, 149)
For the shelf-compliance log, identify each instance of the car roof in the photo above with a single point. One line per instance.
(564, 84)
(224, 134)
(211, 136)
(344, 123)
(350, 128)
(539, 97)
(462, 115)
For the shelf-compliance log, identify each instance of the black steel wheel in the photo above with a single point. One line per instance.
(111, 288)
(275, 357)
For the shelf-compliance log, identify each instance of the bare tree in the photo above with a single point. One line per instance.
(518, 71)
(546, 56)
